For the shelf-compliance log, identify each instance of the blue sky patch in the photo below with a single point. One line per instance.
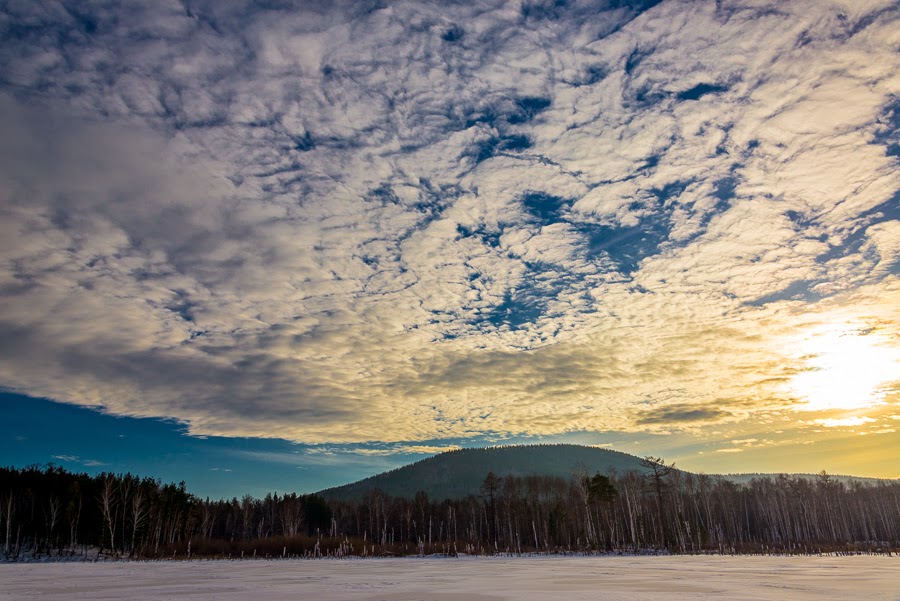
(546, 208)
(700, 90)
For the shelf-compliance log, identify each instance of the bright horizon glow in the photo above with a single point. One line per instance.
(847, 369)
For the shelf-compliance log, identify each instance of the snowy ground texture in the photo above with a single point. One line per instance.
(485, 579)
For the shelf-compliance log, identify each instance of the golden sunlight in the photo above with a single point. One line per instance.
(848, 368)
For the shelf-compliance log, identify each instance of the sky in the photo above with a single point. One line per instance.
(308, 241)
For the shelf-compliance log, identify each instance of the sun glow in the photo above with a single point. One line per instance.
(848, 368)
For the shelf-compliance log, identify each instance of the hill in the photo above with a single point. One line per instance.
(456, 474)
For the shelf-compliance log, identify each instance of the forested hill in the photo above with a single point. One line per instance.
(456, 474)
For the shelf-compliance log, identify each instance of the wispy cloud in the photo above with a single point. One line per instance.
(418, 221)
(79, 460)
(847, 422)
(379, 450)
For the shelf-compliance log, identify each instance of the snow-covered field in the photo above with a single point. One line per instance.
(556, 578)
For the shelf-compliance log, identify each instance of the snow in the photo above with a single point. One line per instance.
(671, 578)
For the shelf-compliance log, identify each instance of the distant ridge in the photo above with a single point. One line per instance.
(459, 473)
(744, 478)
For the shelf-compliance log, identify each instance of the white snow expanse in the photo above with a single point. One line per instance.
(484, 579)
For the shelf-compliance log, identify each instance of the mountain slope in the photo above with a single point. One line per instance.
(456, 474)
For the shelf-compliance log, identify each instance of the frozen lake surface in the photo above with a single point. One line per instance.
(475, 579)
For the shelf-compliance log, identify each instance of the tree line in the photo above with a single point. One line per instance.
(51, 512)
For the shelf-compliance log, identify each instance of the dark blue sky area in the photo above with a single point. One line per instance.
(37, 431)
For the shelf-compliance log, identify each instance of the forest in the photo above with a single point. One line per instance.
(47, 512)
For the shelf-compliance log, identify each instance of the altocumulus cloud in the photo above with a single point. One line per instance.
(402, 221)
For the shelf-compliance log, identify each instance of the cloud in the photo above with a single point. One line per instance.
(880, 431)
(678, 414)
(386, 451)
(79, 460)
(379, 450)
(416, 221)
(847, 422)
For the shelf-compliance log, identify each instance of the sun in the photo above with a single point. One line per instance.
(847, 368)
